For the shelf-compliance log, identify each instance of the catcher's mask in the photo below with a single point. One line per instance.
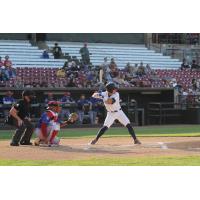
(54, 105)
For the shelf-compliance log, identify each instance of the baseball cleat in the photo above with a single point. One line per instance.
(94, 141)
(136, 141)
(14, 144)
(26, 143)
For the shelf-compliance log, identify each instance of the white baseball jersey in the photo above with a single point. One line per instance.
(111, 107)
(114, 110)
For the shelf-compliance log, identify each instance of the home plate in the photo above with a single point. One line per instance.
(163, 145)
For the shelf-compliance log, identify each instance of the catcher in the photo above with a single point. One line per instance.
(49, 125)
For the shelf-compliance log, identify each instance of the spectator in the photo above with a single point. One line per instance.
(194, 65)
(97, 108)
(141, 70)
(90, 79)
(61, 73)
(9, 71)
(50, 97)
(184, 65)
(3, 76)
(4, 73)
(182, 97)
(85, 54)
(120, 80)
(173, 83)
(66, 99)
(65, 66)
(1, 62)
(113, 65)
(194, 84)
(7, 62)
(84, 107)
(71, 83)
(8, 101)
(57, 51)
(130, 70)
(106, 70)
(73, 66)
(135, 68)
(198, 84)
(18, 82)
(5, 66)
(148, 69)
(45, 54)
(113, 68)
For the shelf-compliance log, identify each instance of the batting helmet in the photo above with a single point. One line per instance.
(110, 87)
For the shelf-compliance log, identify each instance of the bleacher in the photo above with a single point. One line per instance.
(122, 53)
(23, 54)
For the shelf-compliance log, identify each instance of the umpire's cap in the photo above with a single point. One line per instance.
(110, 87)
(28, 93)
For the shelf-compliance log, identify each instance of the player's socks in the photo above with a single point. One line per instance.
(101, 132)
(131, 131)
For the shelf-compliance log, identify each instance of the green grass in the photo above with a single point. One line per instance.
(172, 130)
(179, 130)
(144, 161)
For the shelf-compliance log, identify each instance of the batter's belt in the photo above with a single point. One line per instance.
(115, 111)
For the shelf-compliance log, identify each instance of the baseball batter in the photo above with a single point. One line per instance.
(112, 103)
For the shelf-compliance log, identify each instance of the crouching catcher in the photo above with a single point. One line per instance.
(49, 125)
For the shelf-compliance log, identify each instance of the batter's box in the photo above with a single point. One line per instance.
(159, 145)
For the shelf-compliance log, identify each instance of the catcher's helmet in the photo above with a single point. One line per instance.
(54, 103)
(110, 87)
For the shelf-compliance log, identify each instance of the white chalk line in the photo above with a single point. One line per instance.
(160, 145)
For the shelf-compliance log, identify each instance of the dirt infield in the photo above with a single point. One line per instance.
(107, 147)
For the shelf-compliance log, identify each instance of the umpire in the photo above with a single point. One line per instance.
(20, 117)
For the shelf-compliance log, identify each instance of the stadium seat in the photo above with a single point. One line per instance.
(122, 53)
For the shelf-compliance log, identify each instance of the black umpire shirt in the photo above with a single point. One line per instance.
(23, 108)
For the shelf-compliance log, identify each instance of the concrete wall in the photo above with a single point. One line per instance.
(126, 38)
(13, 36)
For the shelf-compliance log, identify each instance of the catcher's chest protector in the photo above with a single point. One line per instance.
(52, 115)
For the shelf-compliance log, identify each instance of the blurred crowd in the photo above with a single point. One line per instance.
(6, 70)
(90, 110)
(82, 74)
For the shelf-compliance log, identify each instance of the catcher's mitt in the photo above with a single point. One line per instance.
(73, 117)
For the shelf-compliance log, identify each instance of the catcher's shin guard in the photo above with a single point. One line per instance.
(53, 136)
